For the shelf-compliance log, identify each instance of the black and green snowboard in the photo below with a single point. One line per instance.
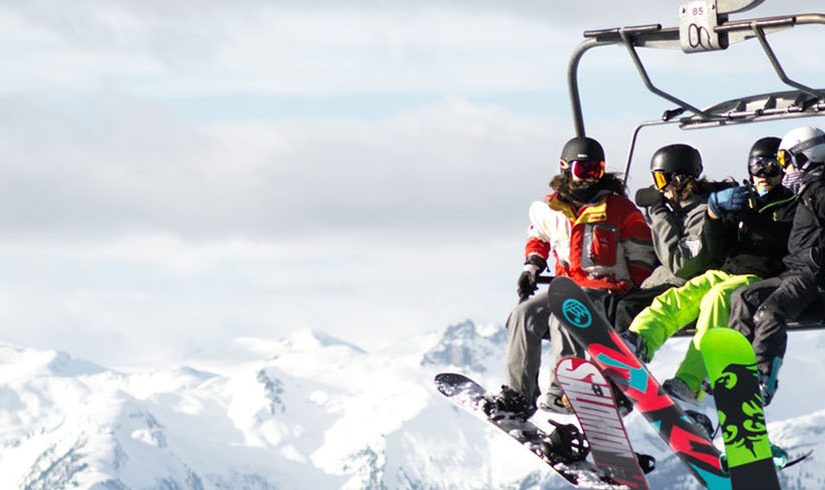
(731, 366)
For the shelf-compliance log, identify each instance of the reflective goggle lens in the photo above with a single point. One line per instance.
(764, 167)
(660, 179)
(785, 158)
(587, 169)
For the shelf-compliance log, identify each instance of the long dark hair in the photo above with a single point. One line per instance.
(565, 186)
(701, 186)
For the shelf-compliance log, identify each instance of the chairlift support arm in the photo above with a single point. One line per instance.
(654, 36)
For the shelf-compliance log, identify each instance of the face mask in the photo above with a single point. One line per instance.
(584, 193)
(793, 181)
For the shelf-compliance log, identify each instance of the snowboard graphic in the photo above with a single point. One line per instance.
(731, 366)
(472, 397)
(571, 305)
(592, 400)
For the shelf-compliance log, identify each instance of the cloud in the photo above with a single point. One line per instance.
(183, 49)
(126, 166)
(189, 49)
(131, 221)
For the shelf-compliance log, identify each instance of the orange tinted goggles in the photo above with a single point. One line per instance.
(661, 179)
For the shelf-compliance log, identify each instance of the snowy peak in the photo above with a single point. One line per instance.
(313, 411)
(299, 342)
(306, 340)
(64, 365)
(20, 363)
(466, 346)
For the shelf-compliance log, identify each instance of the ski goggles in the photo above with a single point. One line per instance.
(764, 167)
(587, 169)
(788, 157)
(661, 179)
(795, 156)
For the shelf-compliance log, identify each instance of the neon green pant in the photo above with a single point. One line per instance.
(705, 299)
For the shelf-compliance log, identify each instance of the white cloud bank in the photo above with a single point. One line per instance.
(131, 232)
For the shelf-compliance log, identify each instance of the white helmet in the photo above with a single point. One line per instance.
(802, 146)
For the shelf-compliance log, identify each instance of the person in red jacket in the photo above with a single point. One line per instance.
(599, 239)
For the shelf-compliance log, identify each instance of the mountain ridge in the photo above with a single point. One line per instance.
(313, 411)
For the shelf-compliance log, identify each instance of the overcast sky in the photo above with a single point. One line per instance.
(175, 175)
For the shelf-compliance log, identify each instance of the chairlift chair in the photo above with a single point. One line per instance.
(705, 25)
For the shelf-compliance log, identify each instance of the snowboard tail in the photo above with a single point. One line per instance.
(574, 309)
(731, 365)
(591, 397)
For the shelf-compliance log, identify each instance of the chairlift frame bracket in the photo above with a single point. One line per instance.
(724, 33)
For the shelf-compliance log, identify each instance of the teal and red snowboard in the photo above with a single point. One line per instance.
(574, 309)
(731, 366)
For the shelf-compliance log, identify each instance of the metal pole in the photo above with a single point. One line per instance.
(573, 83)
(763, 40)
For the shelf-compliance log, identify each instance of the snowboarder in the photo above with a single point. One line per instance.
(599, 239)
(676, 209)
(760, 311)
(749, 227)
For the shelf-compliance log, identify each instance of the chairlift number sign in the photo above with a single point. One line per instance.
(697, 20)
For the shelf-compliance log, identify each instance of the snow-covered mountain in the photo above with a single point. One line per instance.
(314, 412)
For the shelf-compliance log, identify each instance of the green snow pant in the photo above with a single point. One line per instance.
(705, 299)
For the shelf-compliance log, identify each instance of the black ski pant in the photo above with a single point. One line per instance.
(761, 311)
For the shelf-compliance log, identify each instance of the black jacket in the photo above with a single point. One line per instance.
(755, 239)
(806, 245)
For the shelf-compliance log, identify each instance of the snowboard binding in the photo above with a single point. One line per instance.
(702, 421)
(646, 462)
(566, 444)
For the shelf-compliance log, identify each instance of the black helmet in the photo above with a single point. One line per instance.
(765, 148)
(677, 159)
(582, 148)
(762, 161)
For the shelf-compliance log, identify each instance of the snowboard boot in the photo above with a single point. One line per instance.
(780, 456)
(623, 403)
(636, 344)
(679, 390)
(555, 401)
(769, 381)
(509, 403)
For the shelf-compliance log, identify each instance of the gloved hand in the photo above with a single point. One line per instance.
(649, 196)
(727, 200)
(528, 280)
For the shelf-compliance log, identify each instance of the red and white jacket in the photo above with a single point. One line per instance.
(605, 244)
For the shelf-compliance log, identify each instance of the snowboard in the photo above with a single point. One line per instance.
(731, 366)
(576, 312)
(472, 397)
(591, 398)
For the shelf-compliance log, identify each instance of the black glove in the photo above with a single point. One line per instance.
(649, 196)
(528, 280)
